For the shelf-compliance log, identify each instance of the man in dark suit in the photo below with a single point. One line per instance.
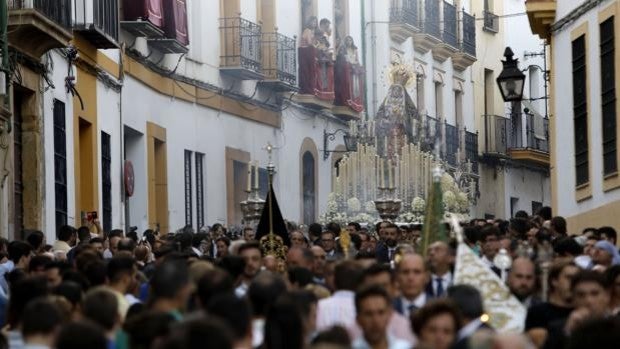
(386, 249)
(441, 259)
(412, 277)
(469, 301)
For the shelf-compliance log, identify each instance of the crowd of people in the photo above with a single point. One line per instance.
(215, 289)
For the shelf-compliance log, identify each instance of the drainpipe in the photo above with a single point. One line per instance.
(373, 39)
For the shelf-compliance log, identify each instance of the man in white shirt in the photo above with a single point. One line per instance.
(373, 309)
(339, 309)
(441, 259)
(412, 278)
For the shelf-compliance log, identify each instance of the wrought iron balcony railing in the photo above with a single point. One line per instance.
(405, 12)
(504, 134)
(467, 38)
(280, 59)
(430, 20)
(471, 149)
(450, 24)
(99, 19)
(491, 22)
(58, 11)
(241, 45)
(452, 144)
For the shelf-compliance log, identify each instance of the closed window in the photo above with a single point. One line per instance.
(608, 96)
(60, 163)
(188, 188)
(200, 195)
(580, 110)
(106, 181)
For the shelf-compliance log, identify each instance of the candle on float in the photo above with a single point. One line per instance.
(249, 187)
(382, 173)
(256, 174)
(390, 174)
(385, 146)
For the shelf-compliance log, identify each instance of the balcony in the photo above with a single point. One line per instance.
(176, 37)
(449, 31)
(451, 148)
(404, 19)
(541, 14)
(241, 49)
(37, 26)
(279, 62)
(491, 22)
(471, 149)
(466, 56)
(430, 35)
(508, 139)
(143, 18)
(97, 22)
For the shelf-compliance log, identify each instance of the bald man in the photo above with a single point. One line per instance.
(412, 278)
(318, 267)
(522, 281)
(300, 257)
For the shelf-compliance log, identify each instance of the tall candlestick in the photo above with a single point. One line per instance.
(256, 175)
(382, 173)
(249, 177)
(390, 174)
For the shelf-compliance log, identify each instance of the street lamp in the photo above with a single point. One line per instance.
(511, 81)
(350, 142)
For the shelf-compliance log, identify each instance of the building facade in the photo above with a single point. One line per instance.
(153, 113)
(582, 36)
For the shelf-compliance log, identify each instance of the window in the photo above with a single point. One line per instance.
(309, 195)
(420, 92)
(106, 181)
(580, 110)
(536, 206)
(188, 188)
(60, 163)
(438, 101)
(608, 96)
(200, 195)
(514, 206)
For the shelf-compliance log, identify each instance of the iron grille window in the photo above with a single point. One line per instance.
(59, 10)
(242, 45)
(60, 163)
(106, 181)
(580, 110)
(188, 187)
(200, 195)
(608, 96)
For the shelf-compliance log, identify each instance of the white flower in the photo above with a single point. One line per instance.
(448, 183)
(463, 202)
(370, 207)
(449, 200)
(354, 205)
(418, 204)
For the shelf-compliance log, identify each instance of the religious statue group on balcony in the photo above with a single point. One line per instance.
(349, 76)
(316, 67)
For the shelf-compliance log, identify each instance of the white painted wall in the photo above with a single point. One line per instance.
(58, 77)
(565, 148)
(527, 186)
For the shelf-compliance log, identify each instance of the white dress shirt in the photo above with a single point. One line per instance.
(339, 309)
(418, 303)
(446, 281)
(393, 343)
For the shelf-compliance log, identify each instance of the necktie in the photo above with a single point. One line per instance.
(412, 309)
(440, 289)
(390, 254)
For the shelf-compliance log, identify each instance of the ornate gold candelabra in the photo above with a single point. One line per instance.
(252, 207)
(387, 204)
